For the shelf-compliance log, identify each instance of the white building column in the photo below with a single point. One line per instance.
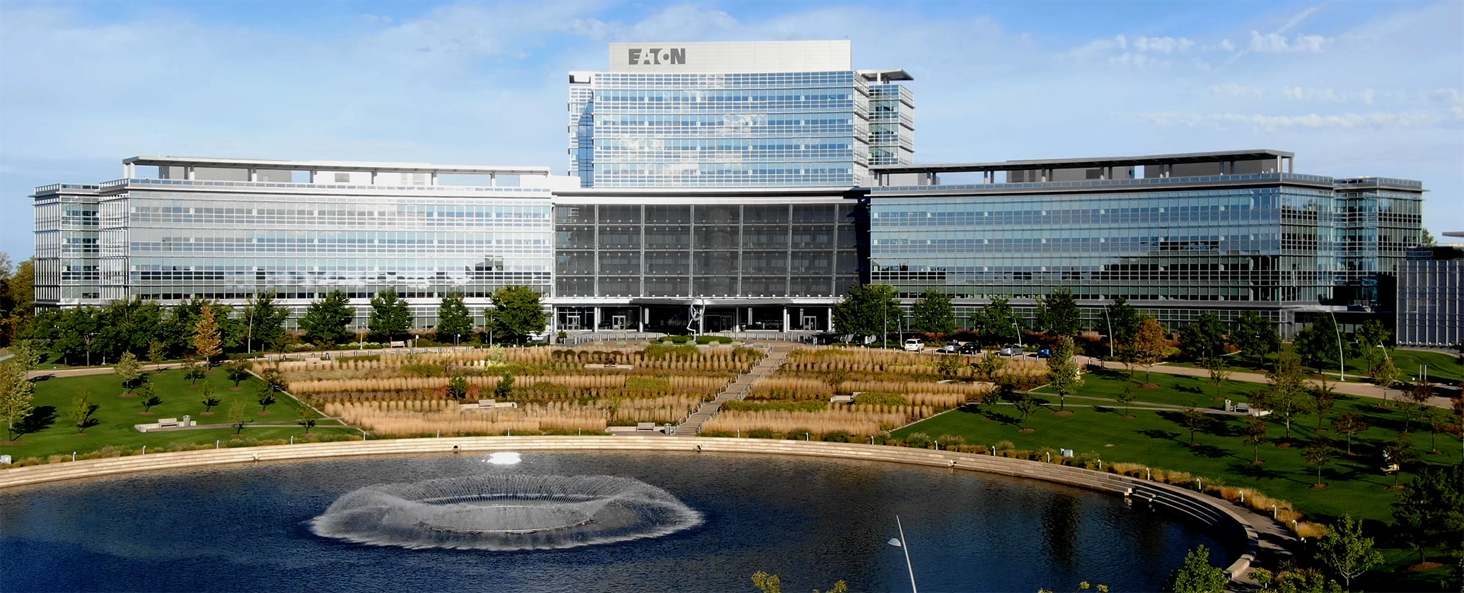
(785, 319)
(596, 327)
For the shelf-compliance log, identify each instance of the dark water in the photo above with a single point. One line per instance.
(810, 521)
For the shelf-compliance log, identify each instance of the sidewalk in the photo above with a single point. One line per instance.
(1354, 389)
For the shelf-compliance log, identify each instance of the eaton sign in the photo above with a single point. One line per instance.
(656, 56)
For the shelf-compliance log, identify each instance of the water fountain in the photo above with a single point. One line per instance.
(505, 512)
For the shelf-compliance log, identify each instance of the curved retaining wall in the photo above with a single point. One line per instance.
(1182, 502)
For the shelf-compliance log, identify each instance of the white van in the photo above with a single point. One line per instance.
(914, 345)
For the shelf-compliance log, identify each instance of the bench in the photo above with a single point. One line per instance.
(168, 423)
(841, 399)
(645, 426)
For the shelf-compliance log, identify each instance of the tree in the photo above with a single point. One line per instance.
(1400, 451)
(1372, 335)
(988, 367)
(767, 583)
(1062, 372)
(237, 416)
(308, 423)
(1025, 404)
(453, 318)
(1318, 452)
(264, 322)
(128, 325)
(1059, 315)
(1417, 401)
(207, 344)
(156, 353)
(17, 395)
(1323, 397)
(1346, 552)
(1195, 420)
(1430, 510)
(390, 316)
(238, 371)
(1124, 319)
(209, 401)
(867, 311)
(1384, 375)
(81, 411)
(1215, 365)
(1349, 424)
(1150, 345)
(997, 322)
(1125, 398)
(1196, 575)
(1319, 342)
(128, 370)
(17, 299)
(457, 388)
(195, 372)
(1203, 338)
(1425, 238)
(1255, 434)
(1255, 336)
(1287, 383)
(933, 314)
(325, 320)
(266, 397)
(150, 400)
(68, 332)
(1438, 421)
(517, 312)
(948, 366)
(504, 388)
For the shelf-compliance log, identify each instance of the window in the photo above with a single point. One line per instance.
(342, 177)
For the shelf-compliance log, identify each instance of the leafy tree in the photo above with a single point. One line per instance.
(1215, 365)
(238, 371)
(1195, 420)
(867, 310)
(1059, 315)
(457, 388)
(325, 320)
(17, 298)
(128, 370)
(209, 401)
(1430, 510)
(194, 373)
(1349, 424)
(948, 366)
(264, 322)
(1318, 343)
(1438, 421)
(1346, 552)
(1150, 345)
(997, 322)
(1400, 450)
(1124, 319)
(1372, 335)
(1255, 434)
(1203, 338)
(1196, 575)
(1305, 581)
(767, 583)
(207, 344)
(69, 332)
(1323, 397)
(266, 397)
(1416, 402)
(1255, 336)
(453, 318)
(1062, 372)
(517, 312)
(1287, 383)
(308, 423)
(1318, 452)
(1425, 238)
(1126, 397)
(504, 388)
(1384, 374)
(150, 400)
(156, 354)
(236, 416)
(390, 316)
(17, 395)
(128, 325)
(933, 314)
(1025, 404)
(82, 410)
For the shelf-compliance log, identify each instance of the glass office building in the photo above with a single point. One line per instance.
(1431, 297)
(761, 114)
(1221, 232)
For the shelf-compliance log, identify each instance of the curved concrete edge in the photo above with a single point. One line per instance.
(1179, 500)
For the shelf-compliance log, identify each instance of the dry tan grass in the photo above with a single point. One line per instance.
(852, 419)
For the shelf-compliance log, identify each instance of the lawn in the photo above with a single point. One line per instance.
(1442, 366)
(1159, 439)
(56, 433)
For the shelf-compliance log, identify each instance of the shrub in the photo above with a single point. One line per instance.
(881, 398)
(949, 441)
(704, 340)
(1005, 446)
(918, 440)
(837, 436)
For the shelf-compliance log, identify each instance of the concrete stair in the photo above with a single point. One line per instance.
(737, 389)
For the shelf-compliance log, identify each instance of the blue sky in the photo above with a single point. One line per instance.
(1354, 88)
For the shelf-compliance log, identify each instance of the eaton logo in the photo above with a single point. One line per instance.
(656, 55)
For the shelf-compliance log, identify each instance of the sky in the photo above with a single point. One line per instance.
(1353, 88)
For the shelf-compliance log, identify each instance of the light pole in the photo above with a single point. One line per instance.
(1019, 334)
(1110, 331)
(900, 543)
(1341, 358)
(249, 341)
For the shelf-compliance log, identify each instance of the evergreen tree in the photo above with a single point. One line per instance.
(454, 322)
(325, 320)
(868, 310)
(390, 316)
(1255, 336)
(517, 312)
(933, 314)
(1059, 314)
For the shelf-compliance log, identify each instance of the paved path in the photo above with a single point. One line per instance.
(1354, 389)
(738, 389)
(85, 371)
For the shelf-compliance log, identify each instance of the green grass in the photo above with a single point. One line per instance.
(116, 415)
(1441, 366)
(1159, 439)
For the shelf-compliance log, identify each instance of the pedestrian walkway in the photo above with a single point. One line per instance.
(738, 389)
(1353, 389)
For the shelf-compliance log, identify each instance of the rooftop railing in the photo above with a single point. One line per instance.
(317, 186)
(1130, 182)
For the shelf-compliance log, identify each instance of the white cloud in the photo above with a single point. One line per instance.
(1274, 43)
(1236, 90)
(1163, 45)
(1225, 45)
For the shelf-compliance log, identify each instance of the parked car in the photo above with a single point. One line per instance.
(969, 348)
(1012, 350)
(914, 345)
(949, 348)
(1045, 352)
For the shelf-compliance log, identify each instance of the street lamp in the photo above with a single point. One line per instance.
(1341, 358)
(1019, 334)
(1110, 331)
(249, 341)
(900, 543)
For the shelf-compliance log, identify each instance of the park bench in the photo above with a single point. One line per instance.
(168, 423)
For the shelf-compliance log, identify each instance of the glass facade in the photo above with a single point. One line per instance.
(788, 129)
(67, 244)
(1431, 298)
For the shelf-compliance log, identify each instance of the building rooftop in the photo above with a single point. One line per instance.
(381, 167)
(1081, 163)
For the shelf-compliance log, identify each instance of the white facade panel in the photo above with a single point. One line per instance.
(726, 57)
